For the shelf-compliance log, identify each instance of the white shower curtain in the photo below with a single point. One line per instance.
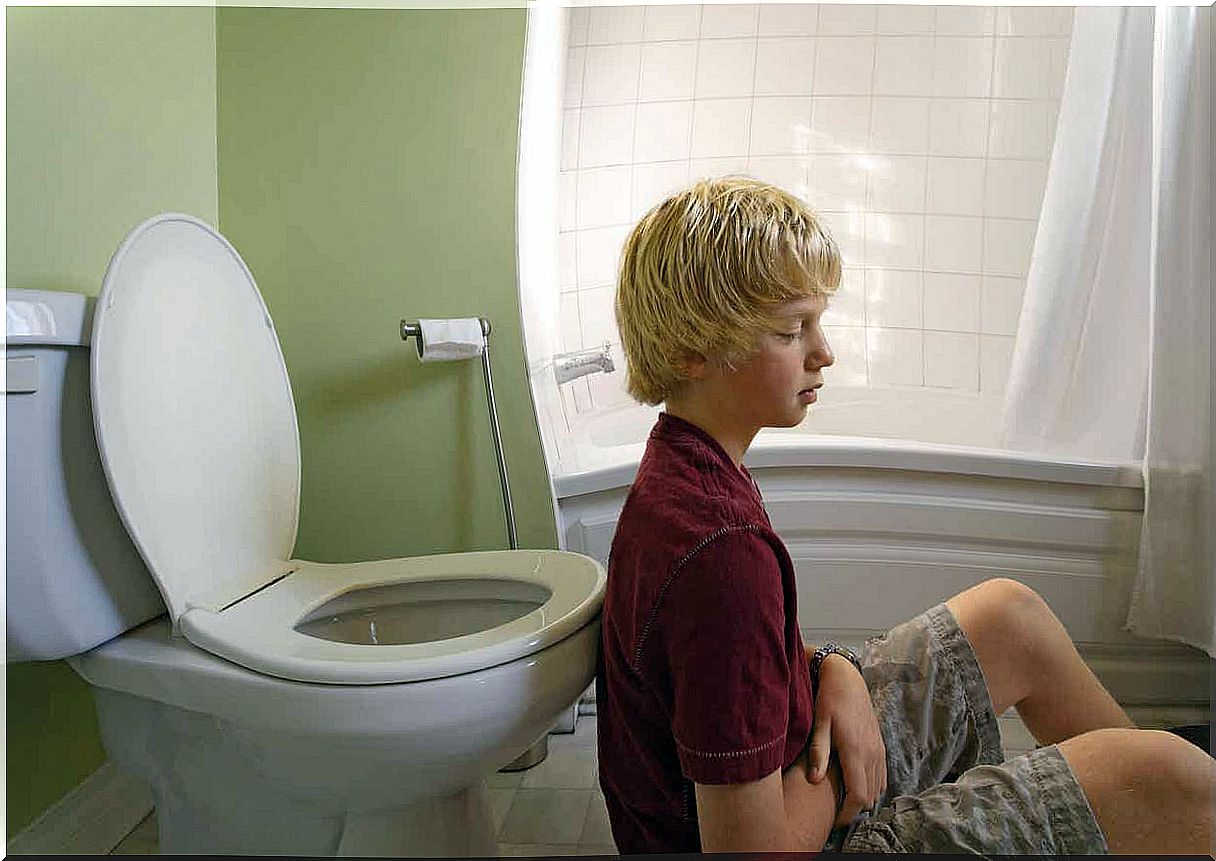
(1078, 381)
(1113, 358)
(1175, 591)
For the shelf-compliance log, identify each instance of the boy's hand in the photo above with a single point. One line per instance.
(845, 720)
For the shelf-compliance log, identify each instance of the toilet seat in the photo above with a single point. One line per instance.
(241, 635)
(196, 429)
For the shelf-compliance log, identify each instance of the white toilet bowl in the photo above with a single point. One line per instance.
(280, 706)
(249, 762)
(245, 763)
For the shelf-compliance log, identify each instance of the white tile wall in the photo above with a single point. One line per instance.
(662, 23)
(849, 345)
(920, 133)
(899, 125)
(894, 298)
(952, 302)
(903, 65)
(668, 71)
(952, 360)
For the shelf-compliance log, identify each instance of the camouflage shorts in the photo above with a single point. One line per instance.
(948, 788)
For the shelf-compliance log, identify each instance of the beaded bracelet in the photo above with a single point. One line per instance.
(822, 652)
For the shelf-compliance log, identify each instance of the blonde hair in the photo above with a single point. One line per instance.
(702, 272)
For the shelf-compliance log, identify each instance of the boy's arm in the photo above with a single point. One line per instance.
(781, 812)
(846, 727)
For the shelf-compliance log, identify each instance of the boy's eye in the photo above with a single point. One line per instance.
(789, 336)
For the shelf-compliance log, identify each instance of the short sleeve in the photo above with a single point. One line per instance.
(723, 633)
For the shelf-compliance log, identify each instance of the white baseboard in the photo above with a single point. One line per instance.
(91, 819)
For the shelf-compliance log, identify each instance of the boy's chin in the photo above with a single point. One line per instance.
(792, 421)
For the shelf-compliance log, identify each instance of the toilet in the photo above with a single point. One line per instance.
(274, 705)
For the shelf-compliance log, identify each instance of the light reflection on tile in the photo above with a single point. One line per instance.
(895, 356)
(893, 298)
(895, 240)
(847, 305)
(849, 347)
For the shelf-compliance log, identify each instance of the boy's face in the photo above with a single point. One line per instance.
(775, 386)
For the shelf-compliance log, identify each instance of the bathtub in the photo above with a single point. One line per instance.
(891, 500)
(933, 430)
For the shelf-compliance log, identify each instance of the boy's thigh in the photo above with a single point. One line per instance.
(1030, 805)
(931, 701)
(948, 789)
(932, 706)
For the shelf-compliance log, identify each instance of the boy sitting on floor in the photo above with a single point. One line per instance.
(718, 730)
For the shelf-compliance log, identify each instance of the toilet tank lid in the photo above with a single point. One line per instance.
(47, 318)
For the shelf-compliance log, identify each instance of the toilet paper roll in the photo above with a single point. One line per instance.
(450, 340)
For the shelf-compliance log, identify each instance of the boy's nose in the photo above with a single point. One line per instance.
(820, 356)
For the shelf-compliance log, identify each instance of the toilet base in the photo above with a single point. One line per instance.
(216, 796)
(533, 756)
(245, 764)
(459, 826)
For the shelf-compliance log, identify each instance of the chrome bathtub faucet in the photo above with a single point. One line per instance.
(571, 366)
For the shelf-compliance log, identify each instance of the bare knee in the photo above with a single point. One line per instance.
(1012, 633)
(1145, 787)
(1007, 611)
(1016, 600)
(1127, 753)
(1182, 778)
(1186, 768)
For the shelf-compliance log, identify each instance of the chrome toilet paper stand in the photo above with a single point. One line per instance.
(414, 330)
(535, 754)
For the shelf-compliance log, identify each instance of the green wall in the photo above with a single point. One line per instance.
(363, 163)
(111, 118)
(376, 185)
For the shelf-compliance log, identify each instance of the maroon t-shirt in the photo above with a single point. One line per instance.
(702, 675)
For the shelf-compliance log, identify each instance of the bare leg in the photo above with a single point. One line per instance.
(1151, 791)
(1030, 663)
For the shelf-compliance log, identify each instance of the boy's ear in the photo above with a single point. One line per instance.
(694, 366)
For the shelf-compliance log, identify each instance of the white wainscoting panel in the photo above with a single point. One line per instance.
(874, 547)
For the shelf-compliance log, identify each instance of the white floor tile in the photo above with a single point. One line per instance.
(505, 779)
(1014, 734)
(583, 736)
(596, 827)
(500, 802)
(144, 839)
(1014, 752)
(563, 768)
(536, 850)
(546, 816)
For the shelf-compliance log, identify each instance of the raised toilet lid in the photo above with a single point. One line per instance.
(197, 433)
(193, 414)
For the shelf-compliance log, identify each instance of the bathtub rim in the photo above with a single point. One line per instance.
(797, 450)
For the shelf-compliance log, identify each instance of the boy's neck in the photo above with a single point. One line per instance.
(734, 440)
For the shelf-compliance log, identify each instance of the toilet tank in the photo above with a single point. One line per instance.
(74, 579)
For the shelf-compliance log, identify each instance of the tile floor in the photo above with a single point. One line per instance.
(554, 808)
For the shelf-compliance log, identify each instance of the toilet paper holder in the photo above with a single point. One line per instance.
(414, 330)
